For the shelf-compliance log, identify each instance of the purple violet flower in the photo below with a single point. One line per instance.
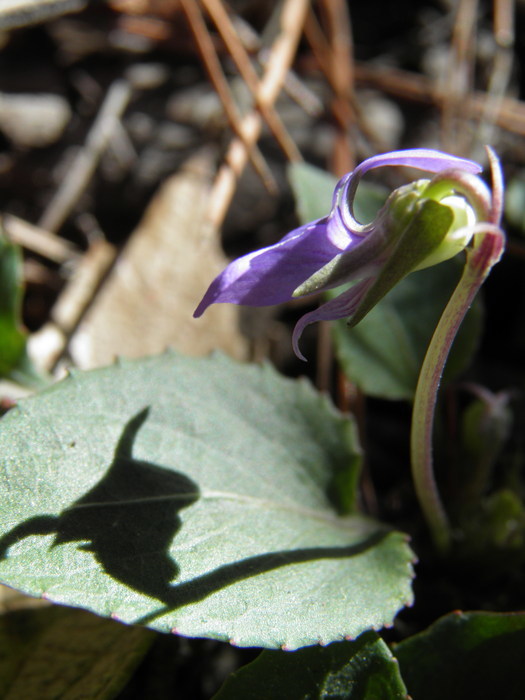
(337, 249)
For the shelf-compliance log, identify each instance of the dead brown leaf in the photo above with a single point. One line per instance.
(146, 305)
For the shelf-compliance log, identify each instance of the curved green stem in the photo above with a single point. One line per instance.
(486, 250)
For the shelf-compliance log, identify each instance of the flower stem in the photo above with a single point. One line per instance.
(485, 252)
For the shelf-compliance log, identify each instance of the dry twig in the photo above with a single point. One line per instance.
(38, 240)
(346, 110)
(86, 161)
(281, 56)
(459, 77)
(501, 69)
(241, 59)
(340, 66)
(419, 88)
(213, 67)
(49, 343)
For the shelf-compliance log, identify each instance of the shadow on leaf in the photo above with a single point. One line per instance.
(129, 520)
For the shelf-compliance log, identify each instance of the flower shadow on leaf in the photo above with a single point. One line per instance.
(129, 519)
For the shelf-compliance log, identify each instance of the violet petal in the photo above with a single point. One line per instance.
(342, 306)
(420, 158)
(270, 276)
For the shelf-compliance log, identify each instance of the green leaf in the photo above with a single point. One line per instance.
(466, 655)
(14, 361)
(12, 338)
(515, 202)
(360, 670)
(314, 188)
(383, 354)
(60, 653)
(492, 543)
(485, 428)
(194, 495)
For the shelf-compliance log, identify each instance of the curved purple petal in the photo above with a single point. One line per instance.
(342, 306)
(421, 158)
(425, 159)
(271, 275)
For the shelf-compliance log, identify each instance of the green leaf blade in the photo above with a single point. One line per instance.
(314, 188)
(463, 655)
(384, 352)
(360, 670)
(15, 363)
(195, 495)
(12, 337)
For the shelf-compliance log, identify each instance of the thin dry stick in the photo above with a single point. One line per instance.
(219, 82)
(340, 63)
(419, 88)
(501, 68)
(241, 59)
(86, 161)
(48, 345)
(81, 289)
(504, 23)
(293, 86)
(38, 240)
(459, 74)
(344, 112)
(296, 89)
(281, 56)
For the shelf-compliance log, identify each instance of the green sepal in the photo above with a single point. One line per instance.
(426, 230)
(388, 226)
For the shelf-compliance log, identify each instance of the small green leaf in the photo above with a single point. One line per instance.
(12, 338)
(314, 188)
(196, 495)
(515, 202)
(466, 655)
(492, 542)
(14, 361)
(59, 653)
(485, 427)
(383, 354)
(360, 670)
